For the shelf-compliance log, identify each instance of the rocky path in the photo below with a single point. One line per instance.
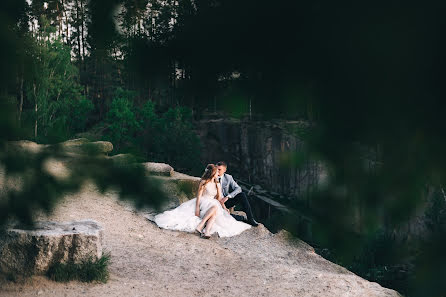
(148, 261)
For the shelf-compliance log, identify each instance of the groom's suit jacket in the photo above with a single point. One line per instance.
(229, 187)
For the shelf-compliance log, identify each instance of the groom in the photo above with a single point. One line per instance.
(233, 194)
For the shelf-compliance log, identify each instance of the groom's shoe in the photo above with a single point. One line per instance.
(252, 222)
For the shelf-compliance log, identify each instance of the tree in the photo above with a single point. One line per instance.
(121, 120)
(54, 88)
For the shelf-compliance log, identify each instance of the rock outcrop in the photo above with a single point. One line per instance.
(151, 261)
(158, 169)
(27, 252)
(181, 186)
(83, 145)
(162, 262)
(77, 146)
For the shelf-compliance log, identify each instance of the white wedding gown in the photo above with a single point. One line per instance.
(183, 217)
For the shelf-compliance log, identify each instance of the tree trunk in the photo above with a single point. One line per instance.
(65, 14)
(21, 98)
(59, 17)
(79, 47)
(82, 29)
(35, 109)
(250, 108)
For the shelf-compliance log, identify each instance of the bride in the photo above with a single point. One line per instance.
(205, 214)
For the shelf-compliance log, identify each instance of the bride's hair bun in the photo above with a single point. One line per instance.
(209, 171)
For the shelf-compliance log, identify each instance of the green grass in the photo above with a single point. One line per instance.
(86, 271)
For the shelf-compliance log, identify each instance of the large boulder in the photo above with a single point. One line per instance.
(83, 145)
(77, 146)
(25, 146)
(179, 188)
(180, 185)
(158, 169)
(123, 159)
(27, 252)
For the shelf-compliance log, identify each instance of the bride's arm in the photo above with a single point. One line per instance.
(219, 192)
(220, 197)
(197, 205)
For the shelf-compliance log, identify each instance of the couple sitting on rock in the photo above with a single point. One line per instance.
(208, 213)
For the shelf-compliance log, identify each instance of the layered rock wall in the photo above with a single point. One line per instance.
(261, 152)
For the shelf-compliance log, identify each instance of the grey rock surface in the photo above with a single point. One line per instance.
(73, 146)
(25, 146)
(83, 145)
(27, 252)
(123, 159)
(256, 150)
(181, 186)
(158, 169)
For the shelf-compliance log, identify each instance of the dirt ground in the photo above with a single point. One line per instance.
(149, 261)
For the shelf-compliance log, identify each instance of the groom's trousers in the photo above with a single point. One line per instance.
(243, 200)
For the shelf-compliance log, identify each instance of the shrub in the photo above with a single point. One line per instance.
(121, 120)
(79, 110)
(86, 271)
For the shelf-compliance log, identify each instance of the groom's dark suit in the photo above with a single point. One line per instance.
(233, 191)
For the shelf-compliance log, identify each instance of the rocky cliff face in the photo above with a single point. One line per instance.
(259, 152)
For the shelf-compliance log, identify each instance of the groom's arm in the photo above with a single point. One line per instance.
(236, 188)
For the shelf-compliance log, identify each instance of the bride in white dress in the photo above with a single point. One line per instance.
(205, 214)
